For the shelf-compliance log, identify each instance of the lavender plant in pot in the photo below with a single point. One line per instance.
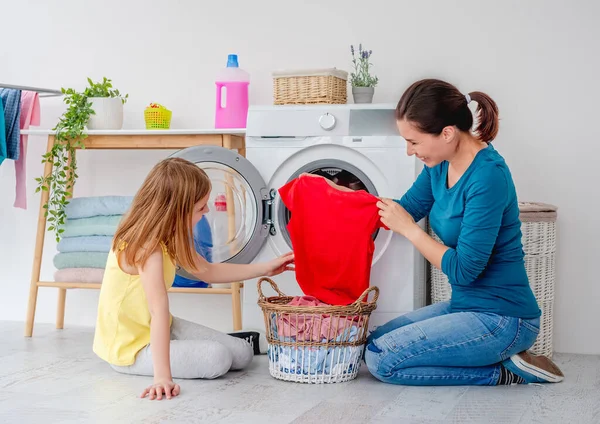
(363, 83)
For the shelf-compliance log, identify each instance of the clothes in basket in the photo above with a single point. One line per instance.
(311, 360)
(311, 327)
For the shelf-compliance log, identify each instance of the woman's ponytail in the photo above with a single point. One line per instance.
(487, 116)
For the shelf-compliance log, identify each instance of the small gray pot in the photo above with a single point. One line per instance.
(363, 94)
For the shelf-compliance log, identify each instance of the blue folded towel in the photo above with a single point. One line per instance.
(11, 101)
(85, 244)
(86, 207)
(94, 226)
(80, 260)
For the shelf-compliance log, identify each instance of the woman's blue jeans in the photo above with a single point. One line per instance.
(433, 346)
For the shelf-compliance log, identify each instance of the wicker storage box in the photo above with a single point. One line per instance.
(315, 344)
(314, 86)
(539, 243)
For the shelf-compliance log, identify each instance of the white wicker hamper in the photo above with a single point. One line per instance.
(539, 243)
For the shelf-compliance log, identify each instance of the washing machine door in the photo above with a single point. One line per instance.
(238, 222)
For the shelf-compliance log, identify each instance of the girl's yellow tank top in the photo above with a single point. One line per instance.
(123, 322)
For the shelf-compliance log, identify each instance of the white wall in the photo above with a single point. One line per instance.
(537, 59)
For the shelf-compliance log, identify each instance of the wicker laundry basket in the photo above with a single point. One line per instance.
(539, 243)
(315, 344)
(314, 86)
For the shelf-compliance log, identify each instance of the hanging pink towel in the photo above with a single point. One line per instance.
(30, 115)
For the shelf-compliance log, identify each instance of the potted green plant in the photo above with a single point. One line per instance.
(69, 135)
(363, 83)
(107, 104)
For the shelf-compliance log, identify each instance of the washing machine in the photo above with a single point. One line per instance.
(354, 145)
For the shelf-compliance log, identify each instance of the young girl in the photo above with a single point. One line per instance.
(135, 332)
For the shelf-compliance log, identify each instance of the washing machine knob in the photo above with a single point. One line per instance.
(327, 121)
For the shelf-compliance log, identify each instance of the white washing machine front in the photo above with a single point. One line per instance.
(379, 162)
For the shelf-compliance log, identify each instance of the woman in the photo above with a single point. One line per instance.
(482, 335)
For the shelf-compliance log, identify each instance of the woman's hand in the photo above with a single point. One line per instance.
(279, 265)
(307, 174)
(395, 217)
(331, 183)
(159, 387)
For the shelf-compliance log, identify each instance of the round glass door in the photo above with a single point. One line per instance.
(233, 230)
(233, 211)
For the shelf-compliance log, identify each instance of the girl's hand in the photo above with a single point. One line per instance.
(395, 217)
(279, 265)
(159, 387)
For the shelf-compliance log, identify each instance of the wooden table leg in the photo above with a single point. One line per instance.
(39, 247)
(236, 306)
(62, 293)
(60, 309)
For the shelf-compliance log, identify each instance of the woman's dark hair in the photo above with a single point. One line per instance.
(432, 104)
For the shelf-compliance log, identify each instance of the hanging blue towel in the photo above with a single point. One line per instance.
(11, 101)
(203, 245)
(3, 152)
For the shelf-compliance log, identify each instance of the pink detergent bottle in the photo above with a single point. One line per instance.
(232, 95)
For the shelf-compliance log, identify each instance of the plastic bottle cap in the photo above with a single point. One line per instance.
(232, 61)
(221, 203)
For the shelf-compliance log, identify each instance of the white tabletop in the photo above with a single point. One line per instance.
(190, 131)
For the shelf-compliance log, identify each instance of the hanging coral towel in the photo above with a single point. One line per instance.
(331, 233)
(30, 115)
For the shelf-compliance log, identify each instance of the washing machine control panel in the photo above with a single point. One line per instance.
(327, 121)
(337, 120)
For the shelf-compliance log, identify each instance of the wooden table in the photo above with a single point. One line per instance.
(126, 140)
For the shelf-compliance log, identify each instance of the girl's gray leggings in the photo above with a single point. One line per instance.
(196, 352)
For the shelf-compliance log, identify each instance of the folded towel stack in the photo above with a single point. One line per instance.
(89, 229)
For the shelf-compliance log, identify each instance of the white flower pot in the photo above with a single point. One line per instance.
(108, 113)
(363, 94)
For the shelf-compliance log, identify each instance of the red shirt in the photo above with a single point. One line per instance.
(331, 233)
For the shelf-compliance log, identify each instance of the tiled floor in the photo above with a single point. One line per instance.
(55, 378)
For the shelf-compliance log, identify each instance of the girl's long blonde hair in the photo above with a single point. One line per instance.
(161, 212)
